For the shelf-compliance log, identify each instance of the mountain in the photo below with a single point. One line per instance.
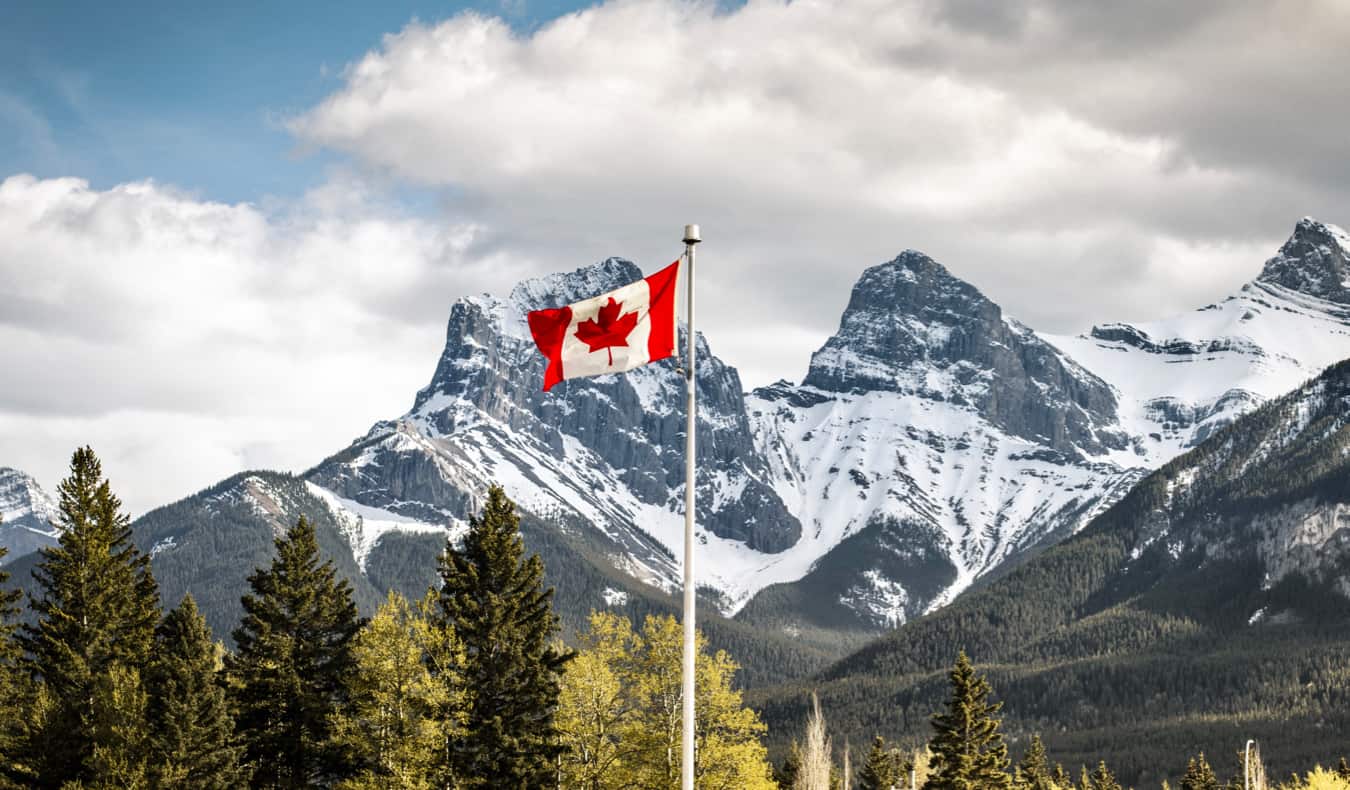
(933, 445)
(1209, 605)
(26, 515)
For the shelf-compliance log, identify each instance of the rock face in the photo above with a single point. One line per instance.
(913, 328)
(604, 452)
(1315, 261)
(26, 515)
(932, 443)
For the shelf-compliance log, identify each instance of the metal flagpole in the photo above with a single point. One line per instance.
(691, 237)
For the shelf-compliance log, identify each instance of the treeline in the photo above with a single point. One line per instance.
(467, 687)
(968, 752)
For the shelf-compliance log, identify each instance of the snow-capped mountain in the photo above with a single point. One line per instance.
(601, 454)
(932, 443)
(936, 439)
(26, 515)
(1180, 379)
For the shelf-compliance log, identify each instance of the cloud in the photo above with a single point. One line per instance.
(1068, 158)
(1079, 162)
(188, 339)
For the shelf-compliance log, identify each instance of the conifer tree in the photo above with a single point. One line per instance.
(493, 598)
(95, 620)
(1199, 775)
(13, 689)
(286, 680)
(881, 771)
(1034, 768)
(968, 748)
(192, 740)
(1103, 779)
(1060, 777)
(786, 774)
(392, 723)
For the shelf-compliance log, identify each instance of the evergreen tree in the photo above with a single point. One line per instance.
(95, 621)
(13, 688)
(1103, 779)
(493, 598)
(1034, 769)
(1199, 776)
(121, 734)
(192, 741)
(1060, 777)
(968, 748)
(392, 723)
(294, 653)
(881, 771)
(786, 774)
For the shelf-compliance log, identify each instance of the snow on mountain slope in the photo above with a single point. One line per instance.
(27, 514)
(601, 454)
(1180, 379)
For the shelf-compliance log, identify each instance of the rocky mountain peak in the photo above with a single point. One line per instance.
(555, 290)
(913, 327)
(1315, 261)
(26, 514)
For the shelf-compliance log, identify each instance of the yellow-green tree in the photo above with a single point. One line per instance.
(620, 713)
(594, 708)
(391, 725)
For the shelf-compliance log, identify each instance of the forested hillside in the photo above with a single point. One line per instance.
(1206, 607)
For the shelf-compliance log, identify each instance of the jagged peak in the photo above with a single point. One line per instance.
(1314, 261)
(553, 290)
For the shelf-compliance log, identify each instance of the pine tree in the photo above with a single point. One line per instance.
(881, 771)
(968, 748)
(192, 741)
(13, 688)
(1199, 776)
(1035, 767)
(95, 622)
(392, 722)
(294, 653)
(1060, 777)
(493, 598)
(1103, 779)
(786, 774)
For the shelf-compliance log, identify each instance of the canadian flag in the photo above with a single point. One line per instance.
(610, 333)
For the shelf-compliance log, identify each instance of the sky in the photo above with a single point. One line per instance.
(230, 235)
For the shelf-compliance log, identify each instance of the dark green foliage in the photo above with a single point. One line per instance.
(968, 748)
(1102, 778)
(1034, 768)
(494, 600)
(1129, 646)
(207, 544)
(785, 774)
(1199, 776)
(883, 768)
(13, 689)
(286, 680)
(192, 741)
(94, 625)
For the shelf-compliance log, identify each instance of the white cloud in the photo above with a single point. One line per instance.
(812, 139)
(1078, 162)
(187, 340)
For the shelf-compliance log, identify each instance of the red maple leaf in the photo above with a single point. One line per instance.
(608, 329)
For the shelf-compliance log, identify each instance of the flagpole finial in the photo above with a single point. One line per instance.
(691, 234)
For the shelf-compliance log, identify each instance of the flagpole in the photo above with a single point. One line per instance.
(691, 237)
